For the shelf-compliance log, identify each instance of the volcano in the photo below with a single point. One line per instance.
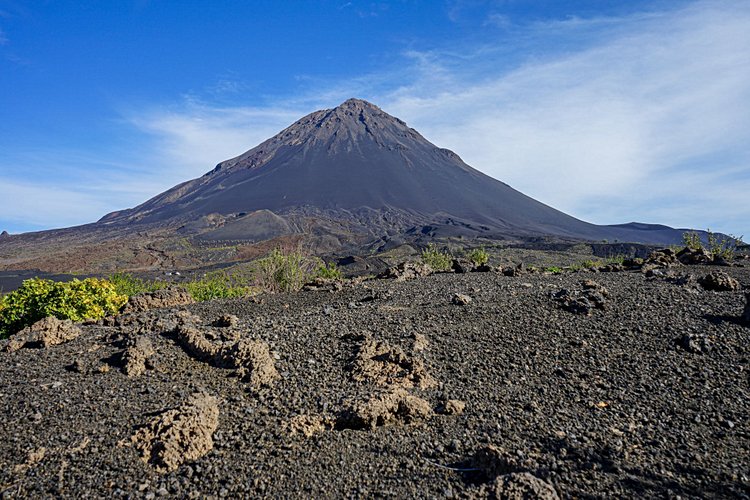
(355, 171)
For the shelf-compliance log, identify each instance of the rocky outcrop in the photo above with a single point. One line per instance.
(395, 407)
(179, 435)
(719, 281)
(383, 364)
(44, 333)
(406, 271)
(166, 297)
(590, 296)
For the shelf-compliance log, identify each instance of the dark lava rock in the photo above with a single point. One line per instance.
(462, 266)
(719, 281)
(746, 313)
(694, 256)
(461, 299)
(518, 270)
(591, 296)
(694, 343)
(406, 271)
(665, 257)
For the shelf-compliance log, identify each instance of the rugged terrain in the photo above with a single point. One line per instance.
(618, 384)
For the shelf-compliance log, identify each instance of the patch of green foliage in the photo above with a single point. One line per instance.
(552, 269)
(436, 259)
(127, 284)
(77, 300)
(479, 256)
(719, 246)
(328, 271)
(586, 264)
(692, 240)
(283, 271)
(218, 285)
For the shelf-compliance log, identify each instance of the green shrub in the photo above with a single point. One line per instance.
(436, 259)
(127, 284)
(77, 300)
(328, 271)
(283, 271)
(218, 285)
(553, 269)
(719, 246)
(479, 256)
(692, 240)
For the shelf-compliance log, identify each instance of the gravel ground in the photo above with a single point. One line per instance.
(647, 397)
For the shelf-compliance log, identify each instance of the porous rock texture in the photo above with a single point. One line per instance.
(384, 364)
(159, 299)
(522, 486)
(719, 281)
(600, 405)
(394, 407)
(178, 435)
(135, 357)
(46, 332)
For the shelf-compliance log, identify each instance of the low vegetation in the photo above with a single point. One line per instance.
(77, 300)
(328, 271)
(718, 245)
(436, 259)
(479, 256)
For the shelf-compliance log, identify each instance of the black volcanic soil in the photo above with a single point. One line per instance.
(602, 405)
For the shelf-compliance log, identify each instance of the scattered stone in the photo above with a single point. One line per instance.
(719, 281)
(513, 271)
(406, 271)
(612, 268)
(634, 263)
(309, 425)
(694, 343)
(44, 333)
(461, 266)
(226, 321)
(395, 407)
(522, 486)
(453, 407)
(591, 296)
(324, 284)
(136, 356)
(665, 257)
(494, 461)
(179, 435)
(166, 297)
(383, 364)
(746, 313)
(460, 299)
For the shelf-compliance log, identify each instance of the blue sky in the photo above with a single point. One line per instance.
(612, 111)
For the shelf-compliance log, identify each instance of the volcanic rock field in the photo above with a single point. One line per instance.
(630, 383)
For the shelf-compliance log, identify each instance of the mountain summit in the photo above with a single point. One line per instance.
(357, 171)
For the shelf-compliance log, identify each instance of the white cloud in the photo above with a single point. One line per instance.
(653, 116)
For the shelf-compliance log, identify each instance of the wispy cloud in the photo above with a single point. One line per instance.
(650, 117)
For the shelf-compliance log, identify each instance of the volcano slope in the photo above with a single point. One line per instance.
(361, 392)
